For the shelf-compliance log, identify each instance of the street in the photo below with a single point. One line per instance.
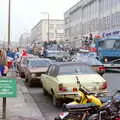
(49, 111)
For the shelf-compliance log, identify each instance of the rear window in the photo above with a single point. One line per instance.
(39, 63)
(75, 69)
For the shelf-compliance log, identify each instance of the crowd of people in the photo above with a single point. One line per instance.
(8, 58)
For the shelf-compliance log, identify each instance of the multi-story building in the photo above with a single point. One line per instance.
(92, 16)
(24, 40)
(48, 30)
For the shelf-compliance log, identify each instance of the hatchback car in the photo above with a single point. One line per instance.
(35, 67)
(63, 80)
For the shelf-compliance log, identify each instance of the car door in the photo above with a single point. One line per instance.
(50, 78)
(45, 78)
(52, 81)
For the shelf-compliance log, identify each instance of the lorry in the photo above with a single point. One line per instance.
(107, 49)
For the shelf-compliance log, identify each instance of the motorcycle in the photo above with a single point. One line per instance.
(85, 104)
(110, 110)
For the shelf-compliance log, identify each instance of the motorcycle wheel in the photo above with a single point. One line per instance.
(73, 117)
(93, 117)
(57, 118)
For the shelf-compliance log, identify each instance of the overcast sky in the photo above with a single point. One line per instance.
(27, 13)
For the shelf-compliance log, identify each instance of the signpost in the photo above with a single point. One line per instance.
(7, 89)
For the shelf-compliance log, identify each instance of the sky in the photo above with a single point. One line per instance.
(27, 13)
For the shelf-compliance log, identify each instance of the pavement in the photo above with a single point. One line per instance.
(23, 106)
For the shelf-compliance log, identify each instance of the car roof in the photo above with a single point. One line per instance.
(39, 59)
(70, 63)
(110, 38)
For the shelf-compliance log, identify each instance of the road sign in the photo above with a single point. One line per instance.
(7, 87)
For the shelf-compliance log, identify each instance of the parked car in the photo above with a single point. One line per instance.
(21, 63)
(115, 65)
(92, 61)
(62, 80)
(34, 68)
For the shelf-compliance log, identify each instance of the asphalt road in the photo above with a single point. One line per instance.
(45, 102)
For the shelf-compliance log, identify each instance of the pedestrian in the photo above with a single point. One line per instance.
(3, 61)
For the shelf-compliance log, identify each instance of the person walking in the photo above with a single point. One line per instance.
(3, 67)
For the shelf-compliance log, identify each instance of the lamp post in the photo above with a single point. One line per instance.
(9, 20)
(48, 20)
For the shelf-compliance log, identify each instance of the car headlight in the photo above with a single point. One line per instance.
(33, 75)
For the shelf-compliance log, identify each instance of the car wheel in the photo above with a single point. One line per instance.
(40, 84)
(44, 91)
(26, 79)
(56, 101)
(22, 75)
(57, 118)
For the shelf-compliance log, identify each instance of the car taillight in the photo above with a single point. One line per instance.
(75, 89)
(101, 68)
(103, 86)
(61, 88)
(93, 49)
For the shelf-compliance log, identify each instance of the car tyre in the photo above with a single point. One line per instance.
(26, 79)
(40, 84)
(57, 118)
(44, 91)
(56, 101)
(22, 75)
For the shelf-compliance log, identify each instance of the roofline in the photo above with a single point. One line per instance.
(73, 6)
(46, 20)
(67, 63)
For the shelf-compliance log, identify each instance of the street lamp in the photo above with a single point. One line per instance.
(9, 19)
(48, 23)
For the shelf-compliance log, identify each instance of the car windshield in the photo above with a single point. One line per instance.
(75, 69)
(52, 53)
(88, 59)
(110, 44)
(93, 61)
(39, 63)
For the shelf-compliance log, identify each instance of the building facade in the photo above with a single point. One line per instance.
(92, 16)
(24, 40)
(40, 32)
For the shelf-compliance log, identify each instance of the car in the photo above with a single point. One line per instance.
(91, 60)
(34, 68)
(21, 63)
(114, 65)
(63, 79)
(97, 66)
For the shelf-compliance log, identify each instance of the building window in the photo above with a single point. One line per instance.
(51, 35)
(59, 26)
(51, 26)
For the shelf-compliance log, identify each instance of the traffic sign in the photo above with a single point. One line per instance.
(7, 87)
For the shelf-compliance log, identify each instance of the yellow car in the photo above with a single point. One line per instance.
(62, 80)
